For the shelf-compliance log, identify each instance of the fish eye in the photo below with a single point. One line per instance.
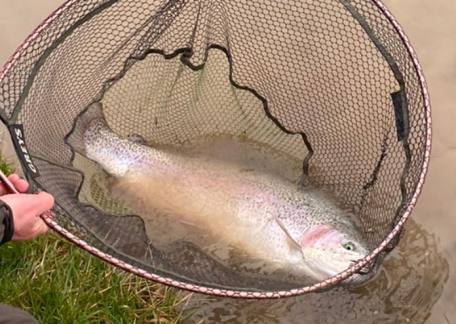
(349, 246)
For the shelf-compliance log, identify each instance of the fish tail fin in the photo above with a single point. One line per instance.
(83, 122)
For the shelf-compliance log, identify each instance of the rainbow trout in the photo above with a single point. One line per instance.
(300, 230)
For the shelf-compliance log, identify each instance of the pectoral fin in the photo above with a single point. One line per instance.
(292, 243)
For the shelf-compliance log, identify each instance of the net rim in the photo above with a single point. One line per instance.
(21, 50)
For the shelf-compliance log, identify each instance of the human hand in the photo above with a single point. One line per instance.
(26, 209)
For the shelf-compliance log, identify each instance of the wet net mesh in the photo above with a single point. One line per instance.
(329, 82)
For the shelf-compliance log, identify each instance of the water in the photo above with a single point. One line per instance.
(412, 286)
(417, 282)
(406, 287)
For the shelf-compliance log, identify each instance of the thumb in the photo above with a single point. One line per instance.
(41, 202)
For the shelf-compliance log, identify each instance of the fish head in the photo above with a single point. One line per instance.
(329, 251)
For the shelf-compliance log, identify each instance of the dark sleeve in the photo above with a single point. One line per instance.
(6, 223)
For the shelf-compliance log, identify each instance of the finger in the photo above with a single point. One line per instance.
(40, 202)
(47, 216)
(13, 177)
(46, 201)
(41, 227)
(38, 229)
(3, 190)
(20, 184)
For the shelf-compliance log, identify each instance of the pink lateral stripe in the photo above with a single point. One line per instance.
(314, 234)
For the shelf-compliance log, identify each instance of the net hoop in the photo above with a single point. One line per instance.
(20, 51)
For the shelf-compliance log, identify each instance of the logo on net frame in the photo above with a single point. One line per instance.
(22, 150)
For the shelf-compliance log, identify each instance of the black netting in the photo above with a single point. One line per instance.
(331, 83)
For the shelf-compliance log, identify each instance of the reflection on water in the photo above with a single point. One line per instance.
(406, 287)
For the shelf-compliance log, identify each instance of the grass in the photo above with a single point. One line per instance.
(59, 283)
(5, 166)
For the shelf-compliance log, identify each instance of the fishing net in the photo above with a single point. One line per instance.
(332, 83)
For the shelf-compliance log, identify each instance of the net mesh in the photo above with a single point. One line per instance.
(329, 82)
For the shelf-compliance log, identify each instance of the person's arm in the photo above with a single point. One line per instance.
(20, 213)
